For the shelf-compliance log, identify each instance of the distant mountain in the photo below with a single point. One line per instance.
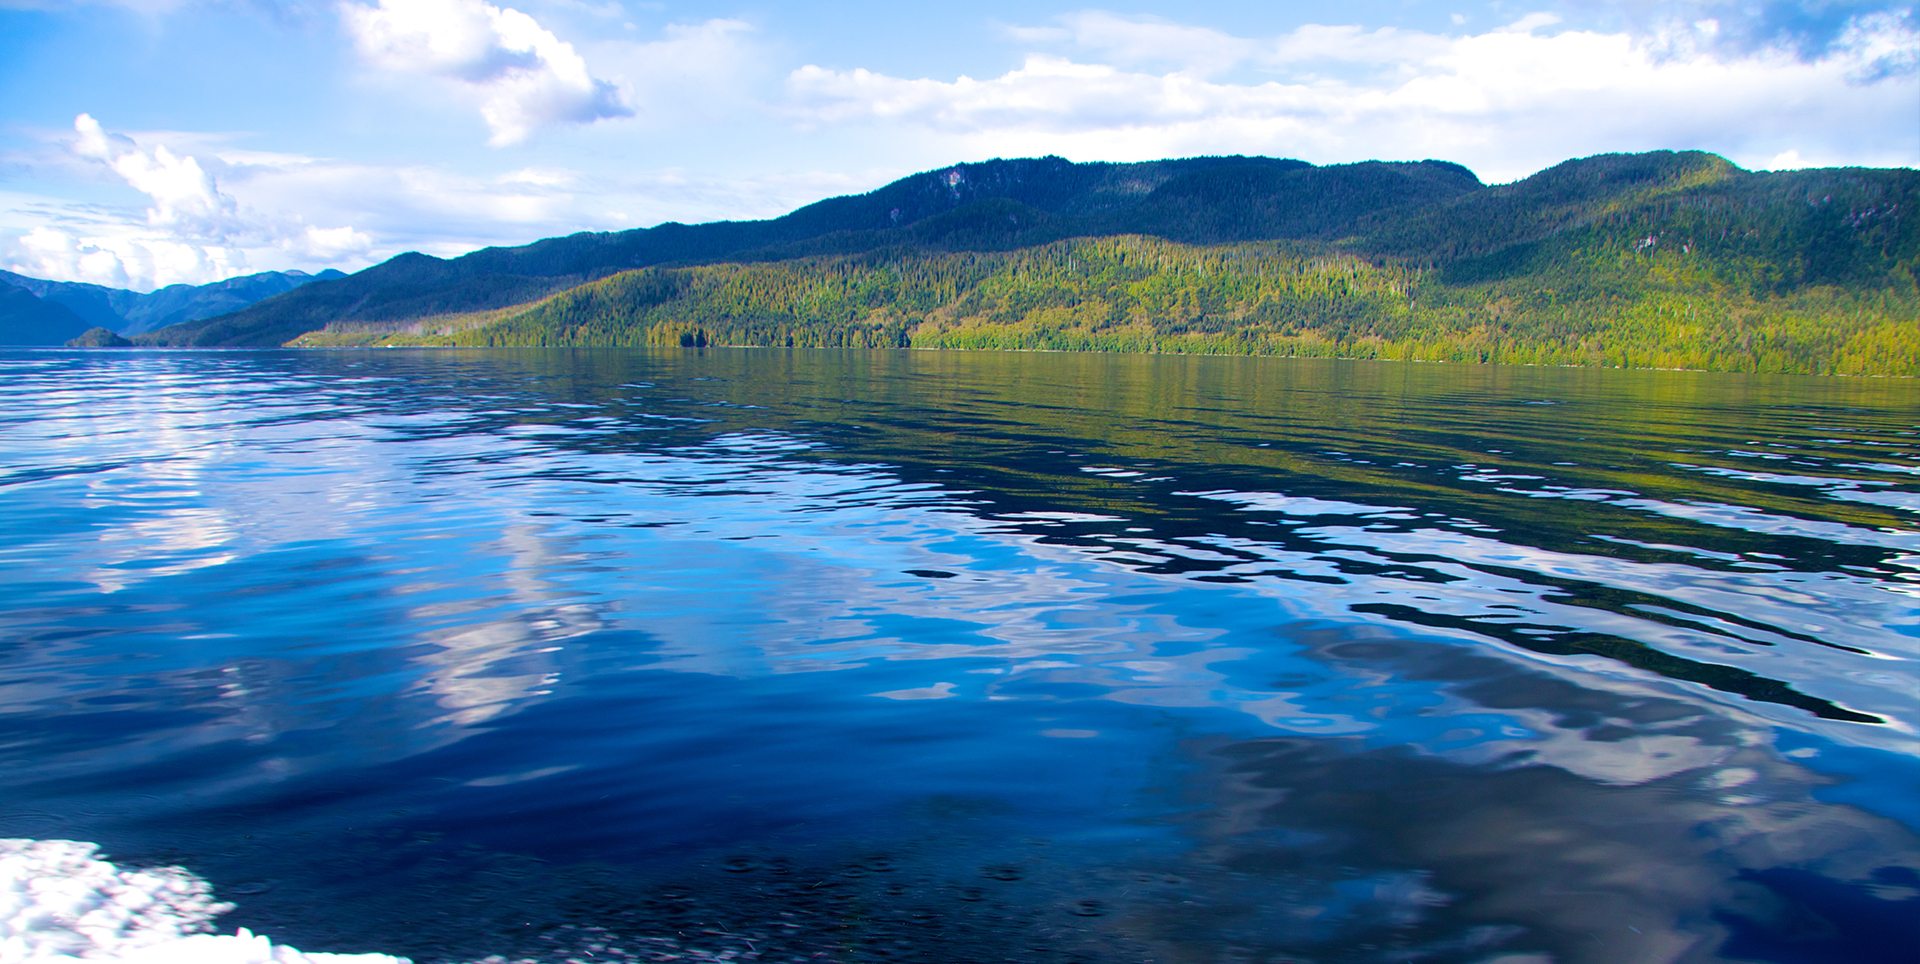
(27, 320)
(133, 312)
(1662, 259)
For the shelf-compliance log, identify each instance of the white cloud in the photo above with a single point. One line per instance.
(1883, 44)
(186, 201)
(224, 211)
(1789, 160)
(526, 78)
(1136, 41)
(192, 231)
(1315, 45)
(694, 73)
(1148, 42)
(1506, 102)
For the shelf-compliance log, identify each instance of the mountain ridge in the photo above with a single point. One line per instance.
(27, 320)
(1091, 198)
(1674, 259)
(133, 312)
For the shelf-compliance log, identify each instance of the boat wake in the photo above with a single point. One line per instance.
(60, 902)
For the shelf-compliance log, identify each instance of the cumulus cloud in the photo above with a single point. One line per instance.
(694, 72)
(186, 201)
(220, 211)
(193, 231)
(526, 78)
(1884, 44)
(1507, 101)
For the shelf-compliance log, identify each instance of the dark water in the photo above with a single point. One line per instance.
(972, 657)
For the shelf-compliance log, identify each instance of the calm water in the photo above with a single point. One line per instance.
(972, 657)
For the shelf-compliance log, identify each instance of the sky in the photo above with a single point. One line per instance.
(153, 142)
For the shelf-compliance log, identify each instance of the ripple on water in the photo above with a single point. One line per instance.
(961, 657)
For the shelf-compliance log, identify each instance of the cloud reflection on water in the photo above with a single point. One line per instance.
(1376, 693)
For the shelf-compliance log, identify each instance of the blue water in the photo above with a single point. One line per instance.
(874, 656)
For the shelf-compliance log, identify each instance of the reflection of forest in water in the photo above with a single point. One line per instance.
(1731, 531)
(1047, 656)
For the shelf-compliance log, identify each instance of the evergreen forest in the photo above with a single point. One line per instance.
(1664, 260)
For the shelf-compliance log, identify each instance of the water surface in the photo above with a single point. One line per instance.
(872, 656)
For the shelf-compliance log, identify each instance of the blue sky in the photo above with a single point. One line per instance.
(149, 142)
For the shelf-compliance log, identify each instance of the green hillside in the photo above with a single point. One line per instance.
(1653, 260)
(989, 206)
(1086, 198)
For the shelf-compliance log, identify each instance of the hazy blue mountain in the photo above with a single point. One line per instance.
(97, 304)
(27, 320)
(177, 303)
(133, 312)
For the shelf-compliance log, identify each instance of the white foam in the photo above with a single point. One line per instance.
(60, 902)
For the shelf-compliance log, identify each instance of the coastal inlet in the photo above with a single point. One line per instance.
(862, 656)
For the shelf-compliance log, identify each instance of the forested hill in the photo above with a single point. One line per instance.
(993, 205)
(1662, 259)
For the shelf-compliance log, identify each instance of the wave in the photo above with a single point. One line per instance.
(59, 901)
